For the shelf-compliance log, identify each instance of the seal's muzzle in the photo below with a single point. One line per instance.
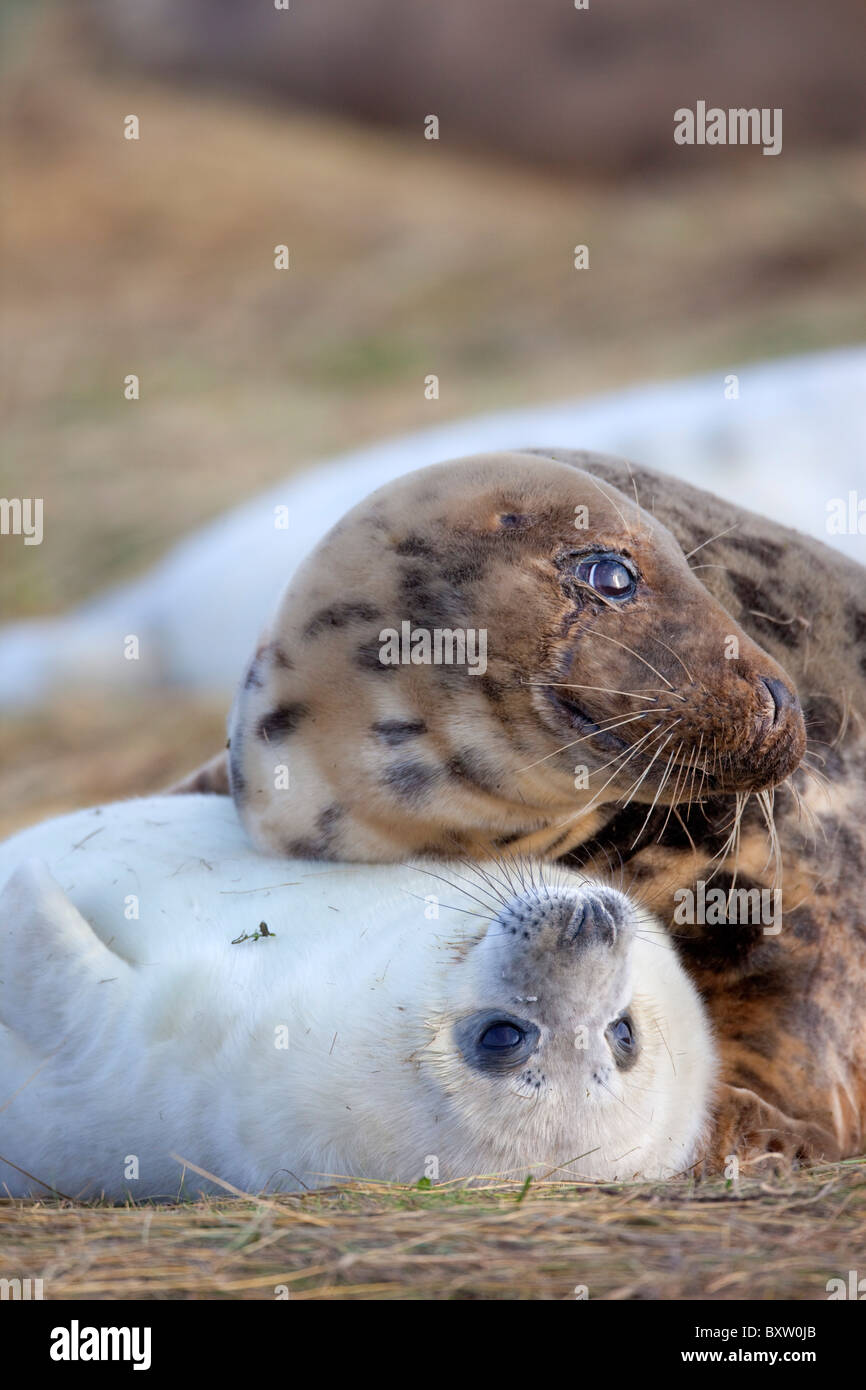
(594, 922)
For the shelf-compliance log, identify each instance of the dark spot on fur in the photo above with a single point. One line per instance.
(813, 1017)
(466, 573)
(415, 545)
(492, 689)
(470, 766)
(340, 615)
(748, 592)
(842, 850)
(452, 678)
(631, 825)
(764, 613)
(327, 822)
(450, 843)
(368, 657)
(764, 979)
(769, 553)
(823, 725)
(505, 840)
(282, 720)
(725, 945)
(515, 521)
(393, 732)
(411, 780)
(428, 604)
(253, 679)
(764, 1044)
(413, 580)
(321, 845)
(804, 926)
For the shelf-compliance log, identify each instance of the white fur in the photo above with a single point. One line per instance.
(154, 1036)
(793, 439)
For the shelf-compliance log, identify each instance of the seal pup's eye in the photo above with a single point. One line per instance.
(495, 1042)
(623, 1040)
(500, 1037)
(609, 577)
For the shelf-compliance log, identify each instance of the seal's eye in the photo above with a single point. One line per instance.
(500, 1037)
(623, 1041)
(609, 577)
(495, 1043)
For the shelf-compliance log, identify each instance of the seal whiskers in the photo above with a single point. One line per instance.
(710, 539)
(643, 659)
(662, 784)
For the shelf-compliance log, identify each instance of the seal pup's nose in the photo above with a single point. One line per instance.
(784, 700)
(592, 921)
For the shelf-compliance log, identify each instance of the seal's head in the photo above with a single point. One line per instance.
(569, 1039)
(488, 651)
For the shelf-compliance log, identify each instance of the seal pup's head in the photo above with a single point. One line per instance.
(488, 651)
(564, 1037)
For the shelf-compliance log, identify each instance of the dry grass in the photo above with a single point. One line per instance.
(89, 751)
(777, 1239)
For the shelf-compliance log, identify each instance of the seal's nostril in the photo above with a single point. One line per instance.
(578, 921)
(783, 698)
(592, 921)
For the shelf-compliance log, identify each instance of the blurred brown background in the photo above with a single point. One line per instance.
(528, 81)
(408, 257)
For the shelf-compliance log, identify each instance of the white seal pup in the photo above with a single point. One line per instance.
(386, 1022)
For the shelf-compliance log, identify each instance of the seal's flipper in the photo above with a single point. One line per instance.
(54, 970)
(211, 778)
